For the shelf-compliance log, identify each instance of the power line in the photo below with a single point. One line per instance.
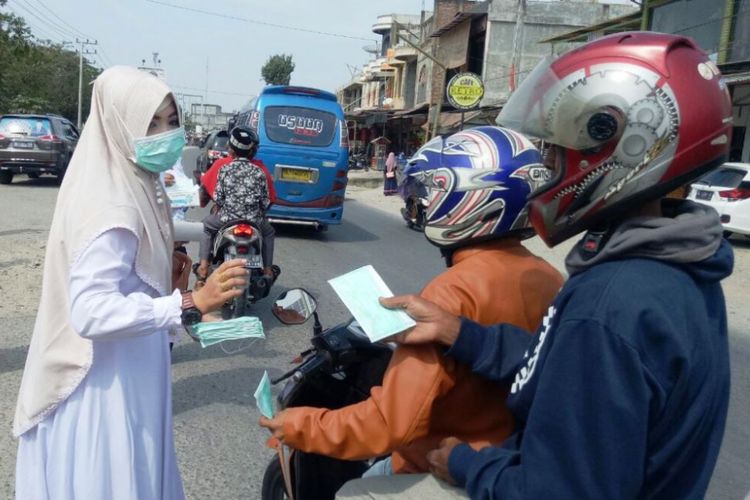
(35, 29)
(210, 90)
(76, 30)
(262, 23)
(54, 27)
(104, 57)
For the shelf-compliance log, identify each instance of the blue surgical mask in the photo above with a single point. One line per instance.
(158, 153)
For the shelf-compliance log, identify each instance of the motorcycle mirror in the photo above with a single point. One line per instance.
(294, 306)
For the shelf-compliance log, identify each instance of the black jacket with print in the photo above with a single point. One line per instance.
(242, 192)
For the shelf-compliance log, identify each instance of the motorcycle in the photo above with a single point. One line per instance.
(338, 370)
(357, 161)
(242, 239)
(416, 201)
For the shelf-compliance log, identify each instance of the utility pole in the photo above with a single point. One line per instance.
(517, 48)
(81, 53)
(206, 94)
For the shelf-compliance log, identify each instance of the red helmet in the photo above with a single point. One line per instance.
(630, 117)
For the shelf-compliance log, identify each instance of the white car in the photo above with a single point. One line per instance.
(727, 189)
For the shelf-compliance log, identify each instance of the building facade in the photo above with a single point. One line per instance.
(208, 117)
(400, 93)
(722, 29)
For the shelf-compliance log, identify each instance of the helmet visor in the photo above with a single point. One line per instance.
(548, 108)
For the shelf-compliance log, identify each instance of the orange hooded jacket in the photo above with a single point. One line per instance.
(425, 395)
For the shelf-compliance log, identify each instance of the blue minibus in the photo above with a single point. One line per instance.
(304, 142)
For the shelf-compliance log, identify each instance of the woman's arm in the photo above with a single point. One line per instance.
(98, 308)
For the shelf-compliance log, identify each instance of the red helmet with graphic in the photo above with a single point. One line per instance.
(628, 117)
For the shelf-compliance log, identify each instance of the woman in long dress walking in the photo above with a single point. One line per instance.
(390, 185)
(94, 411)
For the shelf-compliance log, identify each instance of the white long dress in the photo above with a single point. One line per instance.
(112, 438)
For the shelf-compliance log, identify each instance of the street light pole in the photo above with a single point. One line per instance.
(80, 73)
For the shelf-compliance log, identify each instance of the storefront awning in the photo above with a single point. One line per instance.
(737, 78)
(416, 110)
(628, 22)
(450, 121)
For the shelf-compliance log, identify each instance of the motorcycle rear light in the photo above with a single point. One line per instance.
(242, 250)
(213, 154)
(243, 230)
(740, 193)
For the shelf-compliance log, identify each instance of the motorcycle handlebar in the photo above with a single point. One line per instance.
(313, 364)
(310, 365)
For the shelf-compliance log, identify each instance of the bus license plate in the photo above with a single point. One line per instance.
(293, 174)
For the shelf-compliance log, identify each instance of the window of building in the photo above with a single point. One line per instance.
(475, 60)
(422, 85)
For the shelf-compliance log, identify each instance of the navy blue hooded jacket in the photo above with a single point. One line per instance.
(622, 394)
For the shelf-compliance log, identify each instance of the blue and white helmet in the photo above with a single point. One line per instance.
(478, 180)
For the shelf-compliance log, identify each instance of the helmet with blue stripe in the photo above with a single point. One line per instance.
(477, 182)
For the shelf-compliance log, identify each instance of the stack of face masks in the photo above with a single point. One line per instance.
(213, 332)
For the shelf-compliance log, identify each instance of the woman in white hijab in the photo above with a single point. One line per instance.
(94, 411)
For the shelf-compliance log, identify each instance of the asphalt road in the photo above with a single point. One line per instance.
(220, 448)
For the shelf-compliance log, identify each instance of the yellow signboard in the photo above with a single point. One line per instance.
(465, 90)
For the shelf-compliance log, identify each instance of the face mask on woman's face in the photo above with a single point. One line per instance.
(158, 153)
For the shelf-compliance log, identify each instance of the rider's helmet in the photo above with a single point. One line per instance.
(628, 118)
(477, 182)
(243, 142)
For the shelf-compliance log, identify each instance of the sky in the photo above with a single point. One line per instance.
(223, 53)
(128, 31)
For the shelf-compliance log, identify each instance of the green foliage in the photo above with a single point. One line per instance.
(39, 77)
(278, 70)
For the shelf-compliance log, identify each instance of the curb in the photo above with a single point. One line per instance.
(371, 179)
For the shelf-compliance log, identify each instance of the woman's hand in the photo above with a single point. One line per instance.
(224, 284)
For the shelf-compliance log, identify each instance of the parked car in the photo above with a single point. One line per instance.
(727, 189)
(214, 146)
(35, 145)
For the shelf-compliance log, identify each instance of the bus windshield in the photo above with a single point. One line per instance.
(299, 126)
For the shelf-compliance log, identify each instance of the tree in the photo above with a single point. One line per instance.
(278, 70)
(39, 77)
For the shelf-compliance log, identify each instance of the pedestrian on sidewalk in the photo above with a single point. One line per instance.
(94, 411)
(390, 183)
(624, 391)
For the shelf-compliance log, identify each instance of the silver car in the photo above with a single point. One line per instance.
(35, 145)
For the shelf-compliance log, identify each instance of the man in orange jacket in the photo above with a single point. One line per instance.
(479, 180)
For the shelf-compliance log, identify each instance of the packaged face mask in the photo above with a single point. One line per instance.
(263, 396)
(232, 329)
